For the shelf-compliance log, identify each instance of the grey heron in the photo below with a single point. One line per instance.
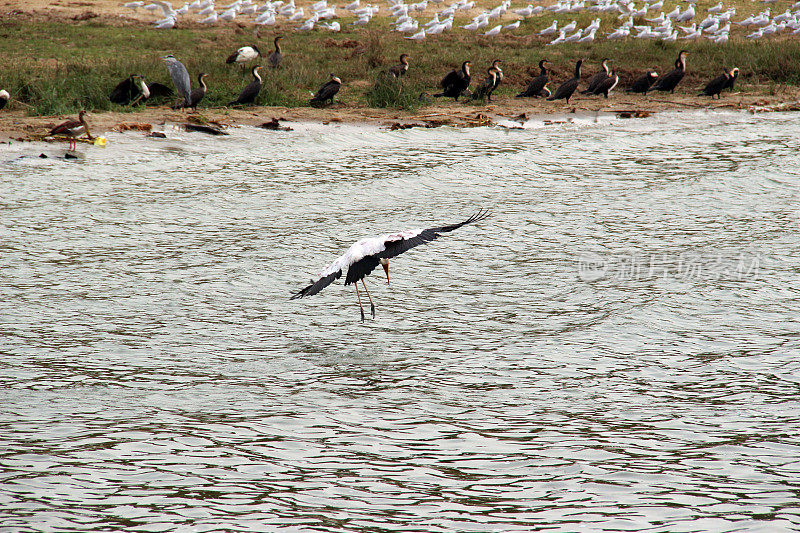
(180, 78)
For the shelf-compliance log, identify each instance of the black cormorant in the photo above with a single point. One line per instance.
(643, 84)
(249, 93)
(537, 85)
(456, 82)
(566, 89)
(326, 92)
(669, 81)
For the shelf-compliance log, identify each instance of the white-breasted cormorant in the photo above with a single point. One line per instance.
(607, 85)
(199, 93)
(669, 81)
(566, 89)
(732, 79)
(276, 56)
(249, 93)
(643, 84)
(327, 91)
(716, 86)
(598, 78)
(400, 69)
(4, 98)
(537, 85)
(456, 82)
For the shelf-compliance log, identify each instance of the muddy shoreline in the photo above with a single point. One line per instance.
(18, 126)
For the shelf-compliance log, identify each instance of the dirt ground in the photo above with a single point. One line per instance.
(17, 126)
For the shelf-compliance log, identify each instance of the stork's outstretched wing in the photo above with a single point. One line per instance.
(318, 285)
(403, 244)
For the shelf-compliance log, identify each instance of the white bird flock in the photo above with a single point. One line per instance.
(636, 20)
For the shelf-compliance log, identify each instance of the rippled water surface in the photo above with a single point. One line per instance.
(616, 348)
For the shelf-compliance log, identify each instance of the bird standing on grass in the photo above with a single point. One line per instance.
(400, 69)
(249, 93)
(243, 55)
(276, 56)
(365, 255)
(326, 93)
(73, 129)
(180, 78)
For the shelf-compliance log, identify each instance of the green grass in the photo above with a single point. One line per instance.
(58, 68)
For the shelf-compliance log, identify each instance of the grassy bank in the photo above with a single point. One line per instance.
(57, 66)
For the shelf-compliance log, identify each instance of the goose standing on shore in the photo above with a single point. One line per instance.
(643, 84)
(276, 56)
(73, 129)
(455, 83)
(669, 81)
(327, 91)
(716, 86)
(180, 78)
(249, 93)
(538, 85)
(566, 89)
(400, 69)
(598, 78)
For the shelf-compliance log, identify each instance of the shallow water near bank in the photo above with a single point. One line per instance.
(615, 348)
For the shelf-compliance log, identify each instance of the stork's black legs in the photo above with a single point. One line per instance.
(359, 302)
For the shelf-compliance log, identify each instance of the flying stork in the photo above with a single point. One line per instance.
(365, 255)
